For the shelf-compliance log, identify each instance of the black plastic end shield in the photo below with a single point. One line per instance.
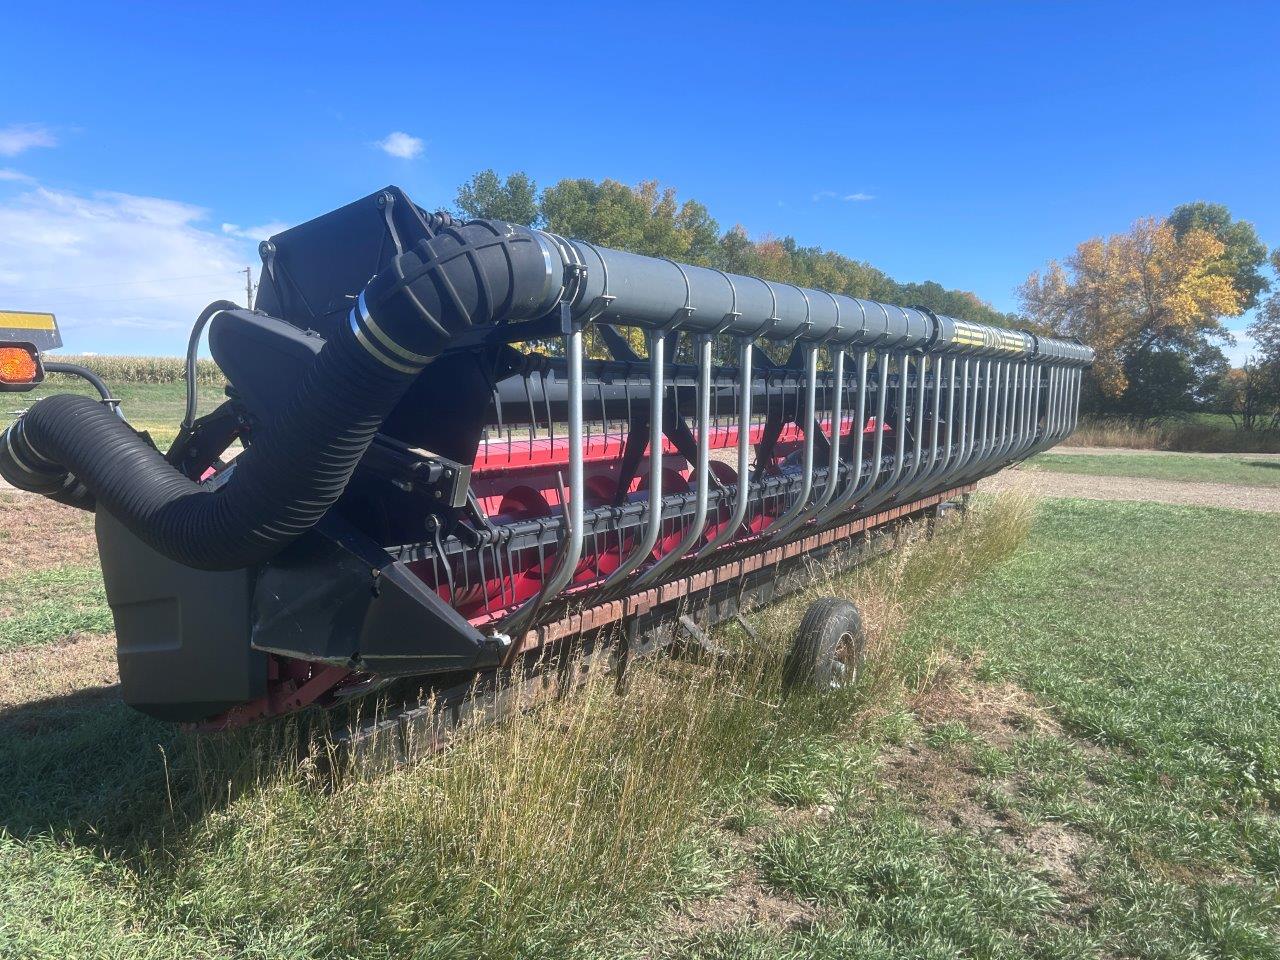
(335, 597)
(182, 635)
(313, 272)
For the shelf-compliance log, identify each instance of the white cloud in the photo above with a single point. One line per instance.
(260, 232)
(1244, 346)
(400, 144)
(20, 137)
(123, 273)
(846, 197)
(13, 176)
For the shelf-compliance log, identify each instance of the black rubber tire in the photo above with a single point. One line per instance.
(828, 647)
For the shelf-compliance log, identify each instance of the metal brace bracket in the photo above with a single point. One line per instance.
(746, 626)
(808, 312)
(386, 202)
(688, 310)
(700, 640)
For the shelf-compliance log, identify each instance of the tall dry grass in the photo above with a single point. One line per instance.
(537, 835)
(1187, 436)
(1119, 433)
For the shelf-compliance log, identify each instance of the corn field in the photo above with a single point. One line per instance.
(124, 369)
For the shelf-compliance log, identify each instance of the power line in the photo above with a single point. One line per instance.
(167, 296)
(117, 283)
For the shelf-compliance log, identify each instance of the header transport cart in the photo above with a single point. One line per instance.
(466, 445)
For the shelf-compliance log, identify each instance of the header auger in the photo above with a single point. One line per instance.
(469, 443)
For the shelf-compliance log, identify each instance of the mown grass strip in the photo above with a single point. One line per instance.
(1149, 628)
(1151, 633)
(1240, 470)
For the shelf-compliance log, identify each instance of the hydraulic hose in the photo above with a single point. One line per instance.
(301, 460)
(84, 373)
(193, 352)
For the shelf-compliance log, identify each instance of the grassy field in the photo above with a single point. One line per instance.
(1067, 747)
(1099, 775)
(1242, 469)
(154, 407)
(551, 836)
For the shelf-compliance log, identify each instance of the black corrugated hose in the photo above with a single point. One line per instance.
(300, 463)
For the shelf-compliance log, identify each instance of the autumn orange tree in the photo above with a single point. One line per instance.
(1150, 302)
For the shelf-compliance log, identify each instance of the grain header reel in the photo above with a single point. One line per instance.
(465, 444)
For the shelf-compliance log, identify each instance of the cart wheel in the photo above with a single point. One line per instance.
(828, 647)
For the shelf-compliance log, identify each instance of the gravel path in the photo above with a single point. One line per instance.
(1047, 484)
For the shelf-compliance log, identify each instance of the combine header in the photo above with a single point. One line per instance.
(470, 444)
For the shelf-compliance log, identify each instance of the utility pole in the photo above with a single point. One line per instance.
(248, 287)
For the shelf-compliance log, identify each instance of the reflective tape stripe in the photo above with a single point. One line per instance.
(20, 320)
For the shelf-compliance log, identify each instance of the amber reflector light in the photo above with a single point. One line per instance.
(17, 365)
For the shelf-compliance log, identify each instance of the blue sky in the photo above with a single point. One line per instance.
(145, 147)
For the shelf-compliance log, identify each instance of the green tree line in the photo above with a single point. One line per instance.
(1151, 301)
(650, 219)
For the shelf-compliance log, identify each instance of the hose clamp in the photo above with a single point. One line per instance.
(574, 282)
(13, 454)
(379, 345)
(50, 470)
